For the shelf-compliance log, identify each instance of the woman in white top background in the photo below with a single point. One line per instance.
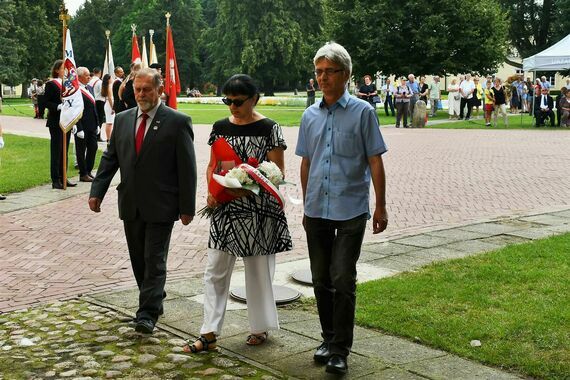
(453, 99)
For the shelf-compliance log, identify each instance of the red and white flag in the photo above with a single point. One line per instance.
(135, 52)
(172, 80)
(72, 101)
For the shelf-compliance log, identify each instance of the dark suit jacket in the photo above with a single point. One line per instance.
(52, 99)
(549, 101)
(118, 105)
(161, 181)
(89, 121)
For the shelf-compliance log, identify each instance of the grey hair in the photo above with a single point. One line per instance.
(335, 53)
(154, 74)
(81, 70)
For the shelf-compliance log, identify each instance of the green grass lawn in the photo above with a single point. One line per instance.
(25, 163)
(291, 115)
(515, 301)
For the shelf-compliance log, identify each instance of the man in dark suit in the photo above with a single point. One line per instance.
(152, 145)
(53, 104)
(118, 105)
(544, 108)
(87, 129)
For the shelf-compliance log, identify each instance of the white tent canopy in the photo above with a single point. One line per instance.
(555, 58)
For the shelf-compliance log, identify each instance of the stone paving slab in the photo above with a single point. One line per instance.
(452, 367)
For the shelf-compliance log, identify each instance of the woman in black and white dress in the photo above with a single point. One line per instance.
(253, 227)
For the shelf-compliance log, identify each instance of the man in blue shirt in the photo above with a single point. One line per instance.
(341, 148)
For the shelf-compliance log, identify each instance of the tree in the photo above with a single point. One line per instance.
(96, 16)
(419, 36)
(88, 32)
(39, 33)
(11, 51)
(267, 39)
(531, 24)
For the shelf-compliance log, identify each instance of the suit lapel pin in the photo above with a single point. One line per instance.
(155, 127)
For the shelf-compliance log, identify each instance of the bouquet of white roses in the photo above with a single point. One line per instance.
(250, 176)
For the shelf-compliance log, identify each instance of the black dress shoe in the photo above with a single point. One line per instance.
(322, 354)
(85, 178)
(2, 197)
(57, 185)
(71, 184)
(145, 326)
(337, 365)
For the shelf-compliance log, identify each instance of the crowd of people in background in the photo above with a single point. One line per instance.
(467, 95)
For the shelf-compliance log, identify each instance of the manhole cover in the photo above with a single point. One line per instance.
(282, 294)
(303, 276)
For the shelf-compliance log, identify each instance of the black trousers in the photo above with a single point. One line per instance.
(465, 102)
(541, 117)
(100, 107)
(56, 153)
(86, 150)
(148, 249)
(334, 249)
(389, 102)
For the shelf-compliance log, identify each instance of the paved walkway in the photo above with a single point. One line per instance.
(447, 192)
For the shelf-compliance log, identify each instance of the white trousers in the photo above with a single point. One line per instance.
(261, 308)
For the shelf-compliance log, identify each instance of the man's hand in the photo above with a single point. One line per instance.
(95, 204)
(380, 220)
(186, 219)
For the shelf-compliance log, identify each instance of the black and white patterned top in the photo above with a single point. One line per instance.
(254, 225)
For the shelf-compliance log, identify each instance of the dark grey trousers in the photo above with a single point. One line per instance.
(334, 248)
(148, 249)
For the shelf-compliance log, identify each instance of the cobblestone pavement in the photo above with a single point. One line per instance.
(78, 340)
(58, 249)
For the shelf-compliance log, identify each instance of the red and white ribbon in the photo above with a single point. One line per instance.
(264, 182)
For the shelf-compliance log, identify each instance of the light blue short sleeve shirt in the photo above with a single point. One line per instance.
(337, 140)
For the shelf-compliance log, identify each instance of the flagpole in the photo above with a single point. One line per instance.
(64, 16)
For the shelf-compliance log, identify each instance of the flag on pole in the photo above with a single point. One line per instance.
(172, 81)
(135, 52)
(72, 101)
(152, 50)
(144, 57)
(109, 66)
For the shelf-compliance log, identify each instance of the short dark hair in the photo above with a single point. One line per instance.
(96, 70)
(155, 66)
(55, 68)
(241, 84)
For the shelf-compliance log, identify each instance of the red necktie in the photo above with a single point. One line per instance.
(139, 138)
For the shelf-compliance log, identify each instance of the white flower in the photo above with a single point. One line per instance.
(241, 175)
(271, 171)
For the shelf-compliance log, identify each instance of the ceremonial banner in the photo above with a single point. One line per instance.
(144, 57)
(172, 82)
(109, 66)
(71, 99)
(152, 50)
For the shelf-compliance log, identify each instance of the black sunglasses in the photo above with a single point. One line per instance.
(237, 102)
